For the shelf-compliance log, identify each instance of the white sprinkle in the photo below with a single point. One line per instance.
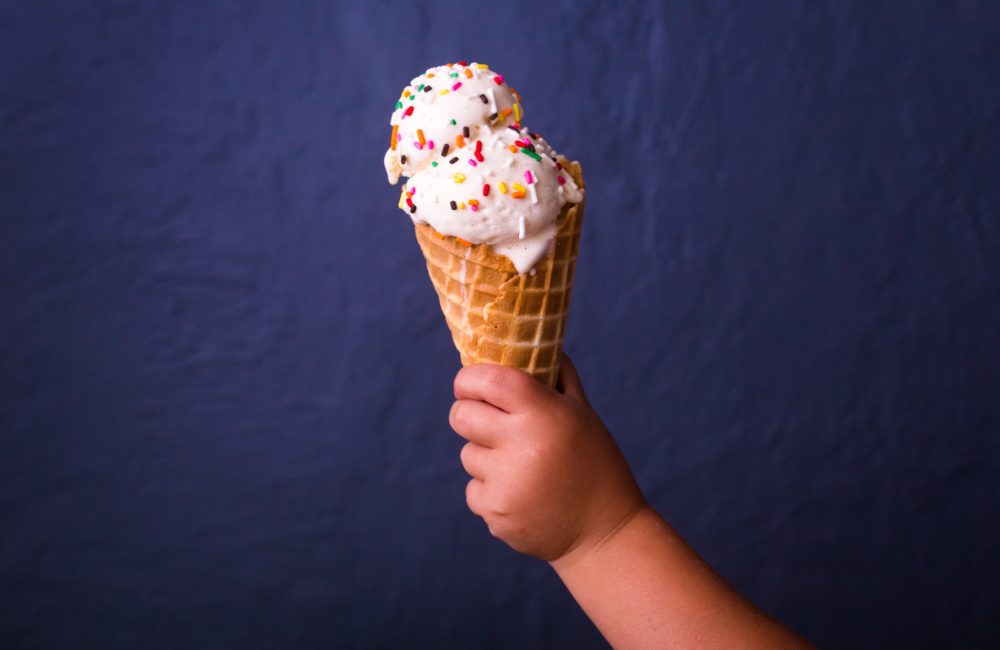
(520, 227)
(493, 101)
(534, 196)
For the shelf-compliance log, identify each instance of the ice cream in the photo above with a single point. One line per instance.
(474, 172)
(496, 212)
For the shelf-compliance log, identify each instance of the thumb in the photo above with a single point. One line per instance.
(569, 382)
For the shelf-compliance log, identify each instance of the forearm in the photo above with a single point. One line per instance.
(644, 587)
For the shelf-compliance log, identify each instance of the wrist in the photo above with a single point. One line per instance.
(591, 546)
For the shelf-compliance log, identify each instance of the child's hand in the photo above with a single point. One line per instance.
(547, 476)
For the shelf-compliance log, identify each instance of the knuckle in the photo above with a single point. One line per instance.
(466, 454)
(458, 416)
(472, 496)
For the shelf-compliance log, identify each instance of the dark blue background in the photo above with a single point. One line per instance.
(225, 378)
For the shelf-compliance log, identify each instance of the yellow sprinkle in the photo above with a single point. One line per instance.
(520, 188)
(444, 92)
(402, 197)
(461, 206)
(482, 66)
(502, 187)
(458, 178)
(517, 113)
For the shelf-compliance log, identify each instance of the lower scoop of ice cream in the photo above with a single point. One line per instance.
(505, 190)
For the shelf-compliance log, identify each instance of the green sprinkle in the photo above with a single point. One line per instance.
(532, 154)
(399, 104)
(453, 74)
(434, 164)
(454, 122)
(420, 87)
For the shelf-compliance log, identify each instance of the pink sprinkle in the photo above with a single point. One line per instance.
(413, 191)
(418, 145)
(472, 162)
(562, 181)
(430, 144)
(528, 177)
(399, 137)
(474, 208)
(458, 84)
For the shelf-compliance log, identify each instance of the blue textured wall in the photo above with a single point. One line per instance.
(225, 379)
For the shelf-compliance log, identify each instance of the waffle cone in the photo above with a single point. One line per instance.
(497, 315)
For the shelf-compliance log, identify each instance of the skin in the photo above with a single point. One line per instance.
(549, 480)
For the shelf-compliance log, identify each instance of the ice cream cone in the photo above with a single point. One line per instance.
(497, 315)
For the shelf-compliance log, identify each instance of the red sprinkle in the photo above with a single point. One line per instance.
(479, 156)
(486, 189)
(558, 165)
(408, 111)
(562, 181)
(498, 79)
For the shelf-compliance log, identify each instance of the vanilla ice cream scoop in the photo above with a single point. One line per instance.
(443, 108)
(474, 171)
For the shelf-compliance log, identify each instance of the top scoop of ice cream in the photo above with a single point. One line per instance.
(441, 109)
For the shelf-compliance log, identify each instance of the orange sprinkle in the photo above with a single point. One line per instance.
(505, 112)
(516, 94)
(420, 137)
(468, 73)
(392, 139)
(473, 202)
(512, 148)
(430, 75)
(517, 195)
(463, 242)
(459, 140)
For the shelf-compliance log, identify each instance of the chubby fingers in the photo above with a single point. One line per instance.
(476, 460)
(507, 389)
(477, 422)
